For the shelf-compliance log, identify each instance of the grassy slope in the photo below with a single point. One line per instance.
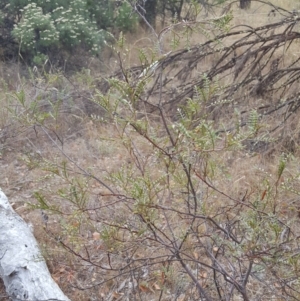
(90, 144)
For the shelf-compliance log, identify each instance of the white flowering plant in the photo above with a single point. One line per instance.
(46, 27)
(35, 29)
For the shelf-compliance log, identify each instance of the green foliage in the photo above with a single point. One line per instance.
(1, 17)
(36, 29)
(253, 122)
(126, 20)
(64, 27)
(45, 27)
(40, 59)
(103, 12)
(224, 22)
(75, 26)
(282, 165)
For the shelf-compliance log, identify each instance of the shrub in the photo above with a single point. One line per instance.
(184, 214)
(126, 20)
(36, 30)
(50, 26)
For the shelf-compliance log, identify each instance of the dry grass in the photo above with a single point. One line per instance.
(258, 15)
(96, 146)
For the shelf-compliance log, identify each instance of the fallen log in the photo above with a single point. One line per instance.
(22, 267)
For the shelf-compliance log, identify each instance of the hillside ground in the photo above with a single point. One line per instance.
(94, 145)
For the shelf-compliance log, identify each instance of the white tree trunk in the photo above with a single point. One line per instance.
(22, 267)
